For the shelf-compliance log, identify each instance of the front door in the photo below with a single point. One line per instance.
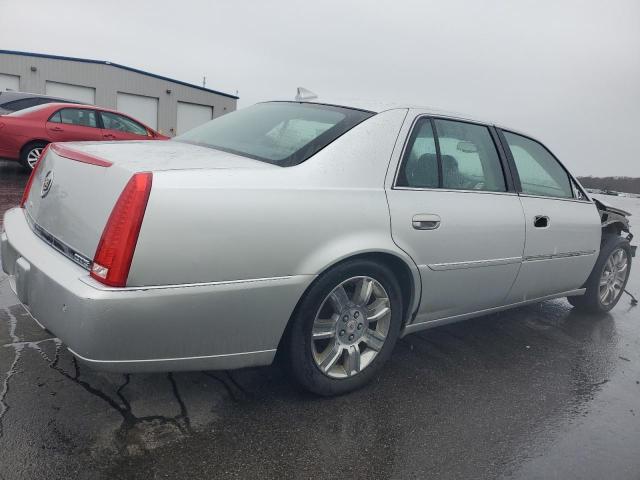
(121, 127)
(562, 225)
(453, 210)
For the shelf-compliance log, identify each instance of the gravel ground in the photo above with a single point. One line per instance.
(537, 392)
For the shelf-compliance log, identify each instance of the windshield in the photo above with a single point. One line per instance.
(281, 133)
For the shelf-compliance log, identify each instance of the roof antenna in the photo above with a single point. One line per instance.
(304, 94)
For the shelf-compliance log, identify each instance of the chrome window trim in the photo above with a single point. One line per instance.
(489, 192)
(564, 199)
(395, 186)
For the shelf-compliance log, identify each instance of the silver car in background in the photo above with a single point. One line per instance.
(320, 230)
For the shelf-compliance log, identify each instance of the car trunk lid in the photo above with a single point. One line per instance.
(76, 185)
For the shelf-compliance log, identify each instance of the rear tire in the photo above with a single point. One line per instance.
(609, 277)
(344, 328)
(30, 154)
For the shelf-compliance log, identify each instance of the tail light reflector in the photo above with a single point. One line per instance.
(34, 172)
(115, 250)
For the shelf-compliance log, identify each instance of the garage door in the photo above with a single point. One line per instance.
(9, 82)
(191, 115)
(71, 92)
(140, 107)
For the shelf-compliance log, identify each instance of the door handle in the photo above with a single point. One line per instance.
(57, 129)
(541, 221)
(109, 136)
(425, 221)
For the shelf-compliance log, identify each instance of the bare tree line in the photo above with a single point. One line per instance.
(617, 184)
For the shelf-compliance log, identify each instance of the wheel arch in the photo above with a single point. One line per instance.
(405, 271)
(33, 140)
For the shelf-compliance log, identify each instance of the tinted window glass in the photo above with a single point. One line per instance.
(25, 103)
(539, 172)
(420, 165)
(469, 157)
(282, 133)
(73, 116)
(112, 121)
(56, 118)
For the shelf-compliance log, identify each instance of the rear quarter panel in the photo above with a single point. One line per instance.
(235, 224)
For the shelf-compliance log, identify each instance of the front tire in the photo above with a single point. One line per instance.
(345, 327)
(30, 154)
(609, 277)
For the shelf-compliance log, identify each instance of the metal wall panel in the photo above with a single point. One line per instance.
(191, 115)
(9, 82)
(140, 107)
(108, 80)
(78, 93)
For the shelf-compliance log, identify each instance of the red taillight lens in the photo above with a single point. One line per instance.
(27, 188)
(113, 256)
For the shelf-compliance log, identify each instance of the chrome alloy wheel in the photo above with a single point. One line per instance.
(613, 276)
(33, 156)
(351, 327)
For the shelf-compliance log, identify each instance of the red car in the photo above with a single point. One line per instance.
(25, 133)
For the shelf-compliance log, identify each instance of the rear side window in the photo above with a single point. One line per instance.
(112, 121)
(470, 160)
(75, 116)
(420, 169)
(281, 133)
(456, 156)
(540, 173)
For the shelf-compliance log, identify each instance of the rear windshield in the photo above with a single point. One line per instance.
(281, 133)
(27, 111)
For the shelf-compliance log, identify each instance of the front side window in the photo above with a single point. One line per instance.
(469, 157)
(113, 121)
(75, 116)
(540, 173)
(281, 133)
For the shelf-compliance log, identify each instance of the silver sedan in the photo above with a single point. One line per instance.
(323, 231)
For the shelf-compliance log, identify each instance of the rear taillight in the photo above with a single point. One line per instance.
(27, 188)
(113, 256)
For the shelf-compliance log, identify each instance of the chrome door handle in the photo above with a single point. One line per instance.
(541, 221)
(425, 221)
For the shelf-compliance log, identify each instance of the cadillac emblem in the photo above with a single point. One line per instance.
(46, 184)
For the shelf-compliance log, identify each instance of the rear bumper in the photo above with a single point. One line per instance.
(220, 325)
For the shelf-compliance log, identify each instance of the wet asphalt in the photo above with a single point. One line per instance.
(539, 392)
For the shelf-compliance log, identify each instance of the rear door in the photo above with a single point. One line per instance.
(73, 124)
(562, 225)
(121, 127)
(455, 212)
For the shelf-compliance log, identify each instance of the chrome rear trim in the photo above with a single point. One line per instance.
(57, 244)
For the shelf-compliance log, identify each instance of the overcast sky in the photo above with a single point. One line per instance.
(567, 72)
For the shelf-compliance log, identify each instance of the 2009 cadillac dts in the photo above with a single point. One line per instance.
(325, 231)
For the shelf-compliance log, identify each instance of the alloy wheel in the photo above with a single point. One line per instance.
(351, 327)
(33, 156)
(613, 276)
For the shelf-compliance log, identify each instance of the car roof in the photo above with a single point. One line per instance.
(376, 106)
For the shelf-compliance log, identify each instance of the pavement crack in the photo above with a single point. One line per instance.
(184, 414)
(18, 347)
(226, 384)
